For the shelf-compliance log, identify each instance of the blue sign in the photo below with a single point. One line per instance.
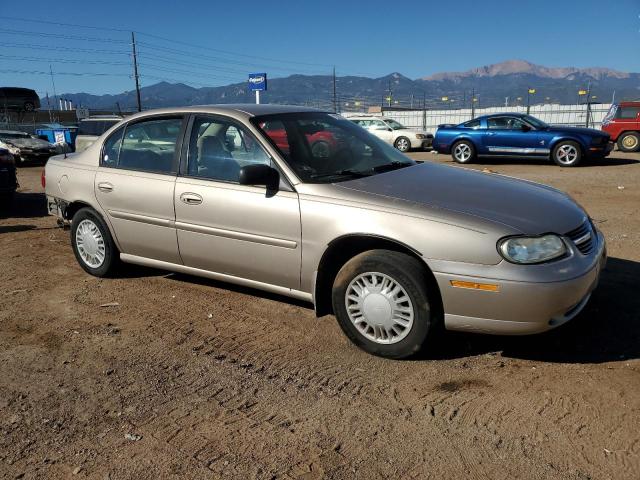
(257, 82)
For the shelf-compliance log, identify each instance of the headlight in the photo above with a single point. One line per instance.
(420, 136)
(532, 249)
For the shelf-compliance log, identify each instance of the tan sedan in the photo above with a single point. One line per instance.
(309, 205)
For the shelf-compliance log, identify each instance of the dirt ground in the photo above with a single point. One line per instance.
(185, 377)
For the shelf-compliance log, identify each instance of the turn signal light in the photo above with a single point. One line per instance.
(487, 287)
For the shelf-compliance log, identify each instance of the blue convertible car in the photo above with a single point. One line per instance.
(515, 134)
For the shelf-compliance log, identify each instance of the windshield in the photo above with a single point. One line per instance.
(395, 125)
(15, 135)
(325, 148)
(535, 122)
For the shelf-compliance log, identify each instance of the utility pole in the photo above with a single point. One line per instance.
(135, 71)
(335, 97)
(588, 105)
(473, 103)
(424, 110)
(53, 83)
(390, 93)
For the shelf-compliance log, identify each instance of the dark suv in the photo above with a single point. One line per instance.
(14, 98)
(8, 179)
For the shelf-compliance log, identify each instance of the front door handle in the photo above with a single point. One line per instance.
(105, 187)
(191, 198)
(491, 134)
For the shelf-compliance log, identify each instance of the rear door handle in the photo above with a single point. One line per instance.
(191, 198)
(105, 187)
(491, 134)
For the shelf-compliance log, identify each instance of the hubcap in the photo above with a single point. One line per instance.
(462, 152)
(630, 142)
(403, 145)
(567, 154)
(90, 243)
(379, 307)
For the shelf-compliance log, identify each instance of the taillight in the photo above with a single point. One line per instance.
(43, 179)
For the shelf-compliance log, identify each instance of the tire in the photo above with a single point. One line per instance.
(29, 107)
(320, 149)
(403, 144)
(91, 240)
(567, 153)
(463, 152)
(381, 269)
(629, 142)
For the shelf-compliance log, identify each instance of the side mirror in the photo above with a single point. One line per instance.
(525, 127)
(260, 174)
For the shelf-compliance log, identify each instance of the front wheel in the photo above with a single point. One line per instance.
(403, 144)
(567, 154)
(381, 303)
(92, 243)
(29, 107)
(629, 142)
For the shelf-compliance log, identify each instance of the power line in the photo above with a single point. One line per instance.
(62, 36)
(40, 47)
(76, 74)
(61, 60)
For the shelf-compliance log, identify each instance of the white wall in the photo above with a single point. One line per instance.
(570, 115)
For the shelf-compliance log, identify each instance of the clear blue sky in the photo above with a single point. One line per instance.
(374, 38)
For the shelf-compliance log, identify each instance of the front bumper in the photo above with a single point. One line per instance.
(35, 155)
(518, 308)
(601, 151)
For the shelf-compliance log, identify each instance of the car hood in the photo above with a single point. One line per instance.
(527, 207)
(579, 131)
(28, 143)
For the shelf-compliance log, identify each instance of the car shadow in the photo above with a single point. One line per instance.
(607, 330)
(181, 277)
(600, 162)
(26, 205)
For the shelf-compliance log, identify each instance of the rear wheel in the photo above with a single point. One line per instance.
(567, 154)
(629, 142)
(381, 303)
(403, 144)
(92, 243)
(463, 152)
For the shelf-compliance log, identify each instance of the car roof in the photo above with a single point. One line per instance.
(502, 114)
(237, 110)
(13, 131)
(102, 117)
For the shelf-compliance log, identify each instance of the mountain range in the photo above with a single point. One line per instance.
(492, 85)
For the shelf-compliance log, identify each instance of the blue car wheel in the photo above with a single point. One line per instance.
(463, 151)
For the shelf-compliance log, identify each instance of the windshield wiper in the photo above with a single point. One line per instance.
(387, 167)
(341, 173)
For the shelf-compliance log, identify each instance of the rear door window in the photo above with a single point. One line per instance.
(149, 145)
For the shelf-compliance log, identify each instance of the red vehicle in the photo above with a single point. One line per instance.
(622, 123)
(321, 141)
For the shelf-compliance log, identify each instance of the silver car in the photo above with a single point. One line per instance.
(394, 133)
(391, 247)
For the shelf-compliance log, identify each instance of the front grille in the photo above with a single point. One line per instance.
(583, 237)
